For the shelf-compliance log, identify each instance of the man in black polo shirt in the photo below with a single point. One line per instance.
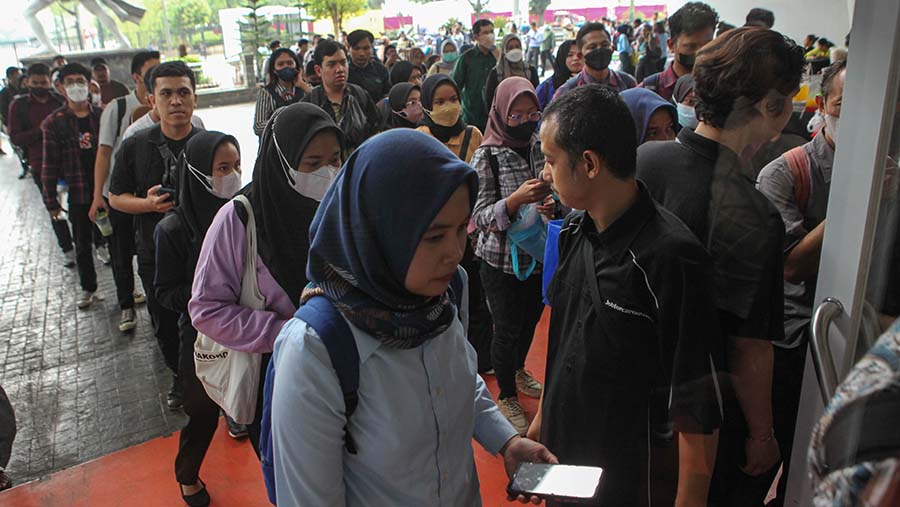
(145, 165)
(365, 70)
(634, 343)
(744, 81)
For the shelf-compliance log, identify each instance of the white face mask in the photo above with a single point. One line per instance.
(831, 127)
(77, 92)
(223, 187)
(514, 55)
(687, 116)
(312, 185)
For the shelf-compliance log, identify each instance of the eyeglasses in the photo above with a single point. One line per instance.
(519, 118)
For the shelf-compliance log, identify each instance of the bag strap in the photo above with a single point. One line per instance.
(334, 332)
(864, 430)
(465, 144)
(798, 163)
(651, 82)
(495, 171)
(514, 255)
(249, 278)
(170, 160)
(120, 114)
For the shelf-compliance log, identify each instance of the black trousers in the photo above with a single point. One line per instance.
(481, 325)
(787, 383)
(60, 227)
(516, 308)
(83, 230)
(546, 58)
(165, 321)
(7, 428)
(532, 54)
(121, 254)
(202, 412)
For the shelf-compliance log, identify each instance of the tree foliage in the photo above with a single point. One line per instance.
(538, 7)
(336, 10)
(255, 31)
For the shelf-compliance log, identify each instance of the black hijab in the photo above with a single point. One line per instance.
(442, 133)
(196, 205)
(397, 100)
(401, 71)
(561, 72)
(282, 215)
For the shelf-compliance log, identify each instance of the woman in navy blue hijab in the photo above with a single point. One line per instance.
(385, 244)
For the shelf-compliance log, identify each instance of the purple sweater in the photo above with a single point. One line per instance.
(214, 307)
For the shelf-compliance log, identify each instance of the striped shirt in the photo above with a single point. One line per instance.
(266, 106)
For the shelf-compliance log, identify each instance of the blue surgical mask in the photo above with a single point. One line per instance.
(687, 117)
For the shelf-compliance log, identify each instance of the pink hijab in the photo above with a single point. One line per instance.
(508, 91)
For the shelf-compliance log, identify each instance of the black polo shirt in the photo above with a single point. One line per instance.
(140, 166)
(374, 78)
(708, 187)
(634, 344)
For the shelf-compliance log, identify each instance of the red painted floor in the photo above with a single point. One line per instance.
(144, 474)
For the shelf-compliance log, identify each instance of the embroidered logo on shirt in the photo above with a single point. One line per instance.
(627, 311)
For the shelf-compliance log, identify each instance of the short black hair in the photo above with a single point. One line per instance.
(311, 68)
(825, 42)
(140, 58)
(588, 28)
(98, 61)
(476, 27)
(171, 69)
(325, 48)
(828, 75)
(357, 36)
(812, 36)
(760, 17)
(58, 57)
(274, 44)
(10, 71)
(302, 42)
(38, 69)
(73, 69)
(691, 18)
(740, 68)
(595, 118)
(148, 78)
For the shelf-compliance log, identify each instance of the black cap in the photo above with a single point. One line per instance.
(97, 62)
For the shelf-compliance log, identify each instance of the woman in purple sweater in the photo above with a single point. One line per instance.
(300, 152)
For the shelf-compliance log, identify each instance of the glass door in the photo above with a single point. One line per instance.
(858, 292)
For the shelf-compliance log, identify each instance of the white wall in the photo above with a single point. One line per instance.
(794, 18)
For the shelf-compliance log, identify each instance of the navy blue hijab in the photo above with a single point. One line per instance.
(367, 229)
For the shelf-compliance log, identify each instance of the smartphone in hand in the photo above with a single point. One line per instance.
(566, 483)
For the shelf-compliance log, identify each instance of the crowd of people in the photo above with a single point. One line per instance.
(692, 223)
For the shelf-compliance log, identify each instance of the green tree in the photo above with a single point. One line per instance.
(187, 13)
(538, 7)
(377, 4)
(336, 10)
(255, 31)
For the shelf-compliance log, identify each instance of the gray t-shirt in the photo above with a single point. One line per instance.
(776, 181)
(109, 135)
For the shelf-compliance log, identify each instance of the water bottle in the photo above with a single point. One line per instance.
(103, 223)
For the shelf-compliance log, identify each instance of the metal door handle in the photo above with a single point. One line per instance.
(822, 358)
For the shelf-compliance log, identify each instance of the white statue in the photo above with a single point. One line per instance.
(124, 10)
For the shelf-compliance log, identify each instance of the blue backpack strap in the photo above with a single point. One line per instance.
(334, 332)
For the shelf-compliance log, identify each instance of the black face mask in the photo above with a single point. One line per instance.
(40, 92)
(687, 61)
(287, 74)
(599, 58)
(522, 132)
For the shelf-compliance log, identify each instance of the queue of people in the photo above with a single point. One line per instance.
(680, 299)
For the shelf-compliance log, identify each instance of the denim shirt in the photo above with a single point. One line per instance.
(418, 412)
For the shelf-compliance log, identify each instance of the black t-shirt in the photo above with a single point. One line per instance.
(140, 166)
(633, 344)
(87, 143)
(707, 186)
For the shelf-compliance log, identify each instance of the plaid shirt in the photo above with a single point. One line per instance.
(62, 157)
(664, 84)
(491, 217)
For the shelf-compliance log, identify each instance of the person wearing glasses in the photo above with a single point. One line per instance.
(508, 164)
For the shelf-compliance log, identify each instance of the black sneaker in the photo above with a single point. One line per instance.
(175, 398)
(235, 430)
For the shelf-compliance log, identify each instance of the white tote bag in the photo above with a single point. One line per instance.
(231, 377)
